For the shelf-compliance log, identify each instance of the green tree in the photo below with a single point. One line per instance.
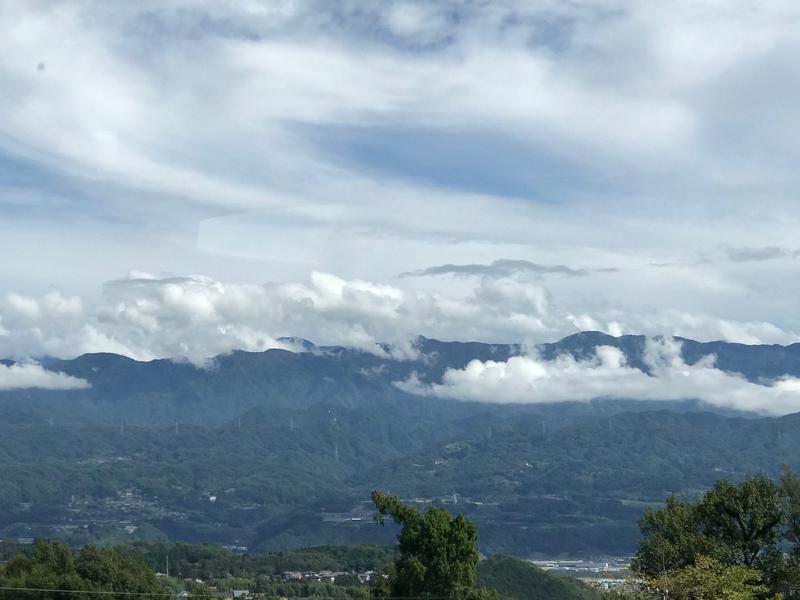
(671, 539)
(201, 590)
(438, 553)
(736, 524)
(744, 519)
(733, 525)
(790, 498)
(53, 566)
(382, 584)
(709, 579)
(784, 570)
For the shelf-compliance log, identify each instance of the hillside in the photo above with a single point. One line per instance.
(578, 489)
(514, 579)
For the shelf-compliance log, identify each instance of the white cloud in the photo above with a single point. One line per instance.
(707, 327)
(416, 21)
(31, 375)
(142, 111)
(195, 318)
(102, 107)
(530, 379)
(121, 96)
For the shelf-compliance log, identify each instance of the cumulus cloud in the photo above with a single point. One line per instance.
(530, 379)
(196, 317)
(31, 375)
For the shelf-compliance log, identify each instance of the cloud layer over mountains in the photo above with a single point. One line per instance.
(194, 318)
(529, 379)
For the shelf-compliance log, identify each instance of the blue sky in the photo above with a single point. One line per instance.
(185, 177)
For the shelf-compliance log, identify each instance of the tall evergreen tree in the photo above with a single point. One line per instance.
(438, 553)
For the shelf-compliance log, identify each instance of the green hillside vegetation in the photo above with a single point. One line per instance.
(132, 568)
(206, 561)
(53, 566)
(46, 568)
(580, 490)
(577, 490)
(514, 579)
(737, 541)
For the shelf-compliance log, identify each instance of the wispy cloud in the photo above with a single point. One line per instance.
(758, 254)
(504, 267)
(732, 254)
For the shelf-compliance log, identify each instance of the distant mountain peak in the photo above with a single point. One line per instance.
(593, 337)
(298, 344)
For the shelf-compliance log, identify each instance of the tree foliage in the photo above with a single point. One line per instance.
(709, 579)
(438, 553)
(790, 498)
(744, 519)
(53, 566)
(734, 537)
(737, 524)
(672, 539)
(208, 561)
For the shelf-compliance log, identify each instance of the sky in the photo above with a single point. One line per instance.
(185, 177)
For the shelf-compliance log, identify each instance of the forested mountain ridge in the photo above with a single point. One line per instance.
(289, 446)
(578, 489)
(161, 392)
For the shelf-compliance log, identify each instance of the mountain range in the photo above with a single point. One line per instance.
(280, 449)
